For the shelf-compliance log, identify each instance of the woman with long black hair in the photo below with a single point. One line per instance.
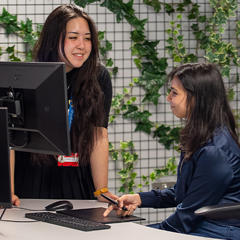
(209, 167)
(69, 35)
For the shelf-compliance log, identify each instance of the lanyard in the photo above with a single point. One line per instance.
(70, 113)
(71, 160)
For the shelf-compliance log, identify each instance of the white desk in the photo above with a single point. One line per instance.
(46, 231)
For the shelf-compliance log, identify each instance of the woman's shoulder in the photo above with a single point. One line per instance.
(103, 72)
(222, 144)
(104, 77)
(222, 139)
(102, 69)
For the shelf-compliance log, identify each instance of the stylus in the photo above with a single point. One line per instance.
(113, 201)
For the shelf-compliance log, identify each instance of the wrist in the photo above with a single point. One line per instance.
(98, 192)
(139, 201)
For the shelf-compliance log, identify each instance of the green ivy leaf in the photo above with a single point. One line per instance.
(169, 8)
(115, 70)
(153, 3)
(152, 176)
(26, 27)
(118, 8)
(167, 135)
(133, 176)
(115, 156)
(124, 145)
(9, 21)
(11, 49)
(138, 63)
(83, 3)
(13, 58)
(122, 189)
(194, 12)
(101, 35)
(137, 36)
(202, 19)
(109, 62)
(144, 127)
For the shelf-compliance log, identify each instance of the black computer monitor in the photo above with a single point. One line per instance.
(35, 96)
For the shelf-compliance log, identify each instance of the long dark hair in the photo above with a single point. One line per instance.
(207, 105)
(86, 93)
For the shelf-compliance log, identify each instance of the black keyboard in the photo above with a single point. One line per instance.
(67, 221)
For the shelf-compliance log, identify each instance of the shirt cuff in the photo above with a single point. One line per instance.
(147, 199)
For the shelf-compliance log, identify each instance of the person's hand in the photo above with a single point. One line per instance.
(130, 201)
(15, 200)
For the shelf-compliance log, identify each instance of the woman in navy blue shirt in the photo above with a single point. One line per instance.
(209, 167)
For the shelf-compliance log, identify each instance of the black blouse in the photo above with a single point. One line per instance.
(44, 179)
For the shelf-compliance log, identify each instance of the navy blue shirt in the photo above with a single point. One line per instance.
(211, 176)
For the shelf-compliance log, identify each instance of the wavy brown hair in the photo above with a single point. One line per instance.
(207, 105)
(86, 93)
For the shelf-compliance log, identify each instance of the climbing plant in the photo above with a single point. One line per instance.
(22, 29)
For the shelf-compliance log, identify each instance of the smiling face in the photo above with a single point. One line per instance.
(178, 98)
(77, 44)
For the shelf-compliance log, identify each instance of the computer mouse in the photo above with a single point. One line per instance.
(59, 205)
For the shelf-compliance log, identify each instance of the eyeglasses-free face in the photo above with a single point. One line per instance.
(77, 44)
(177, 98)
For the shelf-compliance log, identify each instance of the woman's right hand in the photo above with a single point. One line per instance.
(130, 201)
(15, 200)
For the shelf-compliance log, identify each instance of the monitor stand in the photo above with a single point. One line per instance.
(5, 176)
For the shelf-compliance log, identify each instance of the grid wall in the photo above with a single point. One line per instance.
(151, 153)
